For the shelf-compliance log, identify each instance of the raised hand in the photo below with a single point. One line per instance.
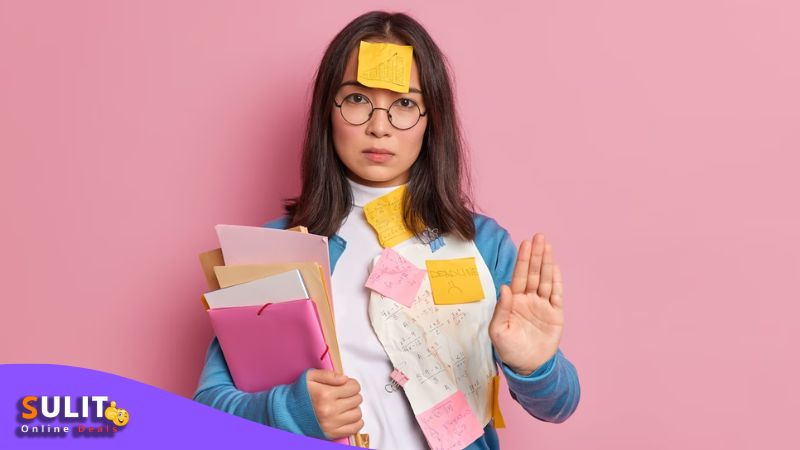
(529, 318)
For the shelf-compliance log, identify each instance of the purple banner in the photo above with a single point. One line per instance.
(52, 406)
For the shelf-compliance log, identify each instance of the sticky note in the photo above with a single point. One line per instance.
(497, 416)
(384, 65)
(450, 424)
(398, 376)
(396, 277)
(385, 215)
(454, 281)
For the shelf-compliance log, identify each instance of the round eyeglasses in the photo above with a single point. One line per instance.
(357, 109)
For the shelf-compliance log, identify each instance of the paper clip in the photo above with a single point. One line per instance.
(431, 237)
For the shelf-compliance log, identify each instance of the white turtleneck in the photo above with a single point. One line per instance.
(388, 418)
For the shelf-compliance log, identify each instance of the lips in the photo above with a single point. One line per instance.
(377, 155)
(378, 151)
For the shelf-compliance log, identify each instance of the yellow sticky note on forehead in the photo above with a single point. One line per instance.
(385, 214)
(384, 65)
(454, 281)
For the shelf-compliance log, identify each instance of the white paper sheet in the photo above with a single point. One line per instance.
(440, 348)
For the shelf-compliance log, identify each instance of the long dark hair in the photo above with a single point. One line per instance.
(438, 194)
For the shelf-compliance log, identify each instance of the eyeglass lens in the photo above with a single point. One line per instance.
(357, 109)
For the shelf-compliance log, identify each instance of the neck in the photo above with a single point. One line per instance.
(363, 194)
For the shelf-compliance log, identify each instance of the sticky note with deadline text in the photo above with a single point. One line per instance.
(454, 281)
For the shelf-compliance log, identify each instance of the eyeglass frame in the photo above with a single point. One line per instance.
(388, 116)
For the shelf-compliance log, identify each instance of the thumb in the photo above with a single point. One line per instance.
(502, 311)
(328, 377)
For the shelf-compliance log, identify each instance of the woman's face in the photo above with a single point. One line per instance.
(376, 153)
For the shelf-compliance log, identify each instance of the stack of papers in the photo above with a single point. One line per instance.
(270, 304)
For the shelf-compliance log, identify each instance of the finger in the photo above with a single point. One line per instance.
(347, 430)
(348, 403)
(348, 389)
(502, 311)
(546, 277)
(557, 299)
(349, 417)
(520, 276)
(536, 263)
(327, 377)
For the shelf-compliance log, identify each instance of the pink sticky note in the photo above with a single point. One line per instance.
(450, 424)
(398, 376)
(396, 277)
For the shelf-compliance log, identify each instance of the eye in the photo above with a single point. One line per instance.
(406, 103)
(356, 99)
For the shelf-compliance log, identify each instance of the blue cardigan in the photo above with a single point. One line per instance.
(551, 393)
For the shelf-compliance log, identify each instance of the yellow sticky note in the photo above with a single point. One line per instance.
(497, 416)
(454, 281)
(384, 65)
(385, 214)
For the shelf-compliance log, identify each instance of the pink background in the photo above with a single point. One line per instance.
(654, 143)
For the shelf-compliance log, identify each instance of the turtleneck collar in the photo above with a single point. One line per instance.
(363, 194)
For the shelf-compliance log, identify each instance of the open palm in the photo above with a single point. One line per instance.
(529, 318)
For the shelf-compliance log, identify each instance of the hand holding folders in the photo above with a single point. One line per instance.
(270, 305)
(336, 399)
(252, 256)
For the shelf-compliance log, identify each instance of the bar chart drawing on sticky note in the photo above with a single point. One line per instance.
(385, 65)
(390, 70)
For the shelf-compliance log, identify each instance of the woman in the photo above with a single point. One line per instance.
(362, 144)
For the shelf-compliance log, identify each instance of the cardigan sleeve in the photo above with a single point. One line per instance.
(552, 392)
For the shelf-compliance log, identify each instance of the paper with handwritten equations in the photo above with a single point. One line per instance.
(441, 349)
(396, 277)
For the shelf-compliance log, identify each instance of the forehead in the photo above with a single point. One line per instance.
(351, 70)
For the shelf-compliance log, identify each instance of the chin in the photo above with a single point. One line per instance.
(380, 179)
(376, 175)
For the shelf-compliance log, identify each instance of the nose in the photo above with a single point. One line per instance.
(379, 126)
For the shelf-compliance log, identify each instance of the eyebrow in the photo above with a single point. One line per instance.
(357, 84)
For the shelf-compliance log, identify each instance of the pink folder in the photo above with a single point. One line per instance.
(272, 344)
